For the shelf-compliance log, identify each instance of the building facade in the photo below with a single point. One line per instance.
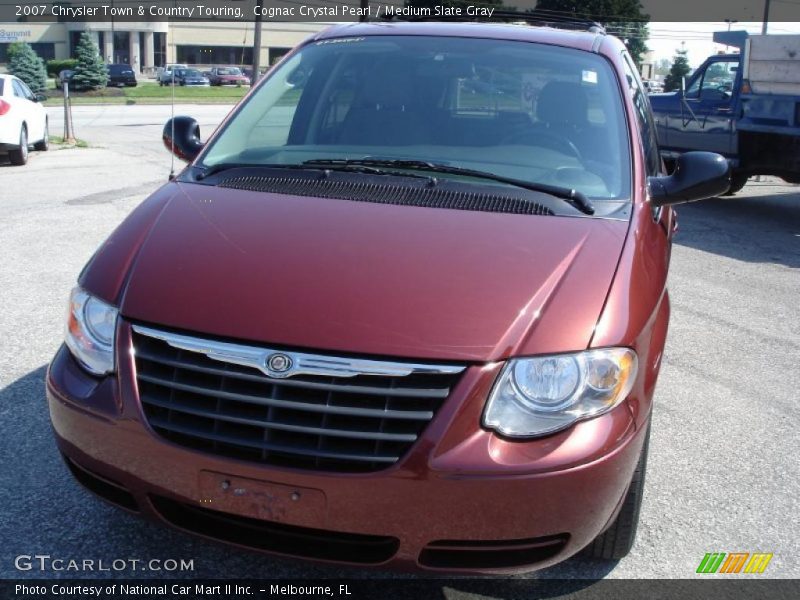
(149, 45)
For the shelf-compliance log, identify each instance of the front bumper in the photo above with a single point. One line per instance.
(462, 499)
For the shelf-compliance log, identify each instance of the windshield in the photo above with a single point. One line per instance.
(229, 71)
(190, 73)
(531, 112)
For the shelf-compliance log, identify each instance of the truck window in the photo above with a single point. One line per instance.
(716, 82)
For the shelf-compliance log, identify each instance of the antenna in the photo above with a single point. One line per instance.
(172, 123)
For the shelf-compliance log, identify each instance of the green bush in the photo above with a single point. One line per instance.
(55, 66)
(90, 70)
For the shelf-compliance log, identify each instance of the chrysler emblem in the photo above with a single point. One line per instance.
(278, 364)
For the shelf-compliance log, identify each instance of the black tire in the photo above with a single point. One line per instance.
(737, 183)
(43, 145)
(19, 156)
(616, 541)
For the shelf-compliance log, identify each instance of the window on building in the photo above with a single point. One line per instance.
(159, 49)
(143, 54)
(214, 55)
(122, 48)
(275, 54)
(45, 50)
(74, 40)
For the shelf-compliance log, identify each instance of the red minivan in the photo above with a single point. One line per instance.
(405, 308)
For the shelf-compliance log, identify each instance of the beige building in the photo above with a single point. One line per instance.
(147, 45)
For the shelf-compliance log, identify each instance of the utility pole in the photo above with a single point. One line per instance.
(364, 11)
(766, 18)
(257, 44)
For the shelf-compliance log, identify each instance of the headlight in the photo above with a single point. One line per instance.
(91, 325)
(537, 396)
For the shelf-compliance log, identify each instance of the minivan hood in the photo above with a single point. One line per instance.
(357, 277)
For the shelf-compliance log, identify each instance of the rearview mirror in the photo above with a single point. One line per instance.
(40, 97)
(181, 136)
(697, 175)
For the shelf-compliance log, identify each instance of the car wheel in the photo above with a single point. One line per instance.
(44, 144)
(738, 181)
(616, 541)
(19, 156)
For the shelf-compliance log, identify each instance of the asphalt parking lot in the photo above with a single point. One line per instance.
(723, 473)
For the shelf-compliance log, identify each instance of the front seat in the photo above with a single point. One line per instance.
(386, 112)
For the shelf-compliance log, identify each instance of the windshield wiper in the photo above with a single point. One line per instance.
(571, 196)
(306, 166)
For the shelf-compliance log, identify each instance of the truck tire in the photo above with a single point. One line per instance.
(616, 541)
(737, 183)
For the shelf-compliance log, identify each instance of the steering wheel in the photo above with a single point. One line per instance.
(547, 139)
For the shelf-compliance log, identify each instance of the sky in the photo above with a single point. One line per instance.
(666, 38)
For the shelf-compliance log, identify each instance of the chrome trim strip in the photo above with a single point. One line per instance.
(300, 362)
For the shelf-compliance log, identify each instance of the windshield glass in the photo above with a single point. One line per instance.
(190, 73)
(537, 113)
(229, 71)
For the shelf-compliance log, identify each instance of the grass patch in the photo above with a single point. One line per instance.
(149, 92)
(57, 140)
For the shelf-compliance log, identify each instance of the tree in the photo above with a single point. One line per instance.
(680, 69)
(26, 64)
(623, 18)
(90, 71)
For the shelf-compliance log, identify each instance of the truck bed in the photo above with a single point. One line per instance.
(773, 64)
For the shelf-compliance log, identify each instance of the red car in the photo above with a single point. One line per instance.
(406, 307)
(226, 76)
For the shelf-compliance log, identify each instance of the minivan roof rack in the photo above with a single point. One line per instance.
(543, 18)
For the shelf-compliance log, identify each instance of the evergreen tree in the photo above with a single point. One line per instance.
(680, 68)
(90, 72)
(26, 64)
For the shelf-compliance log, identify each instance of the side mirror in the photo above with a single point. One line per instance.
(697, 175)
(181, 136)
(40, 97)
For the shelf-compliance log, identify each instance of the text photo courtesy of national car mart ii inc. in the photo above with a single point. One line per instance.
(183, 590)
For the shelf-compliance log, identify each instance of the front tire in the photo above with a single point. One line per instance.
(616, 541)
(19, 156)
(44, 144)
(738, 181)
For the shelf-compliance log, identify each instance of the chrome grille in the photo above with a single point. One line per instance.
(329, 413)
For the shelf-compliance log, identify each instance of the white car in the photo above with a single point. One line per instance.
(23, 120)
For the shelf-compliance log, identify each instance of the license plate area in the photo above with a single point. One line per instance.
(264, 500)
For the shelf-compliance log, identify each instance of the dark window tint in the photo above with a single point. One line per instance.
(644, 117)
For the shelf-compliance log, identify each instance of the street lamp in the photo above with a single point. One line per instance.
(729, 22)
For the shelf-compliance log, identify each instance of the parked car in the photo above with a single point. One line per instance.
(190, 77)
(652, 86)
(381, 320)
(121, 76)
(226, 76)
(165, 75)
(23, 120)
(63, 76)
